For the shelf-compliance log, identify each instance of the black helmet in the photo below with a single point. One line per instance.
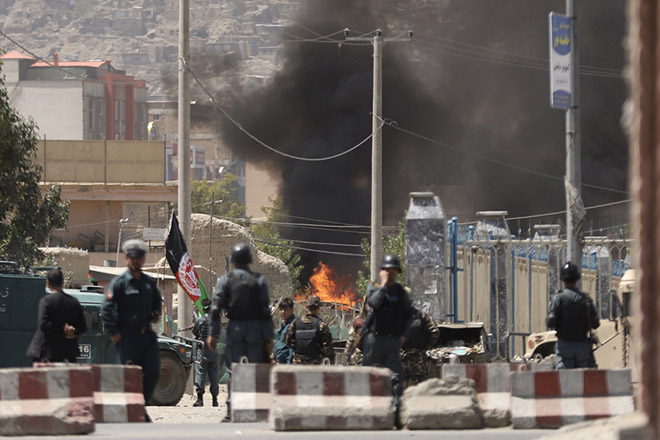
(241, 254)
(569, 272)
(391, 261)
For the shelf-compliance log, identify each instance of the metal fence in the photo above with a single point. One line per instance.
(507, 283)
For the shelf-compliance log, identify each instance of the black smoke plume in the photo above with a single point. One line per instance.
(458, 83)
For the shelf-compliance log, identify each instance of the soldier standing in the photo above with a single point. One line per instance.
(60, 321)
(310, 337)
(573, 315)
(208, 358)
(388, 324)
(284, 353)
(423, 335)
(131, 305)
(244, 296)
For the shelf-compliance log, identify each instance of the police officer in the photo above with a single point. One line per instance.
(131, 305)
(243, 294)
(423, 335)
(208, 359)
(388, 324)
(283, 353)
(573, 315)
(310, 337)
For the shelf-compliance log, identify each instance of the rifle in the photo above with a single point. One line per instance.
(366, 322)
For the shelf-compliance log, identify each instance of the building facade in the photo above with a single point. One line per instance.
(77, 100)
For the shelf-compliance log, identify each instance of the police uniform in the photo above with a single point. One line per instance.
(243, 294)
(423, 335)
(311, 340)
(390, 319)
(569, 313)
(573, 315)
(282, 352)
(129, 307)
(207, 361)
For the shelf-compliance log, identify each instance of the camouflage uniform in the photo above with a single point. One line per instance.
(354, 352)
(413, 351)
(324, 337)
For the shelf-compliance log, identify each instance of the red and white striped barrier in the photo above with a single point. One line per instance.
(550, 399)
(250, 392)
(319, 397)
(54, 400)
(118, 394)
(493, 383)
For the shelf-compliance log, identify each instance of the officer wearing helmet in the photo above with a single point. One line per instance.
(131, 305)
(243, 295)
(573, 315)
(389, 322)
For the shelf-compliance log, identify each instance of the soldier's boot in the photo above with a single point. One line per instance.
(215, 400)
(200, 400)
(227, 418)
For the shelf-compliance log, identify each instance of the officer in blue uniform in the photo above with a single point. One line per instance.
(207, 358)
(388, 324)
(132, 304)
(573, 315)
(243, 294)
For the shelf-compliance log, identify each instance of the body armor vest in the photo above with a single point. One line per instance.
(307, 338)
(244, 297)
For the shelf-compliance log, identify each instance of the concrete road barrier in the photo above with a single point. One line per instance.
(250, 392)
(319, 397)
(493, 382)
(118, 394)
(54, 401)
(550, 399)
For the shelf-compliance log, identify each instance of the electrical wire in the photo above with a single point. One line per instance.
(260, 142)
(68, 72)
(310, 250)
(393, 124)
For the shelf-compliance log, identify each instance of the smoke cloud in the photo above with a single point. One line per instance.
(457, 83)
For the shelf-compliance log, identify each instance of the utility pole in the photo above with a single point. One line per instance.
(573, 149)
(185, 305)
(377, 146)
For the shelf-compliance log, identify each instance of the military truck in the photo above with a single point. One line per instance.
(614, 333)
(19, 300)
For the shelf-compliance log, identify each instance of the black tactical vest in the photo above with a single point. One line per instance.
(244, 297)
(308, 341)
(572, 324)
(417, 338)
(390, 319)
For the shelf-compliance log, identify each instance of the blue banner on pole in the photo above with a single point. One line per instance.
(561, 84)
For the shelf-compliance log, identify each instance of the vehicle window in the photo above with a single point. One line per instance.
(93, 319)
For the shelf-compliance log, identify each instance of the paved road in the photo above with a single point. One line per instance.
(258, 431)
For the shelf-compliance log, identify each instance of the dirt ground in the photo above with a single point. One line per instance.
(185, 412)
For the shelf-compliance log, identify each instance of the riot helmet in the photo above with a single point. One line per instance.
(241, 254)
(569, 272)
(391, 261)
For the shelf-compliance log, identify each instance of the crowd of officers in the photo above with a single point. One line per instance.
(392, 334)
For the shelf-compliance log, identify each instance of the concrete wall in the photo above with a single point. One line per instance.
(74, 264)
(55, 106)
(102, 161)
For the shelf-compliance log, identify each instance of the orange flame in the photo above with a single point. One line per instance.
(332, 287)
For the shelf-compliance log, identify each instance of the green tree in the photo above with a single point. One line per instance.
(27, 215)
(394, 243)
(269, 241)
(223, 191)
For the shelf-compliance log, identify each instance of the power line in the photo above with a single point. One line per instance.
(68, 72)
(393, 124)
(310, 250)
(260, 142)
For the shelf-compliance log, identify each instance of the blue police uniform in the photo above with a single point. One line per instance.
(130, 305)
(283, 353)
(573, 315)
(244, 295)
